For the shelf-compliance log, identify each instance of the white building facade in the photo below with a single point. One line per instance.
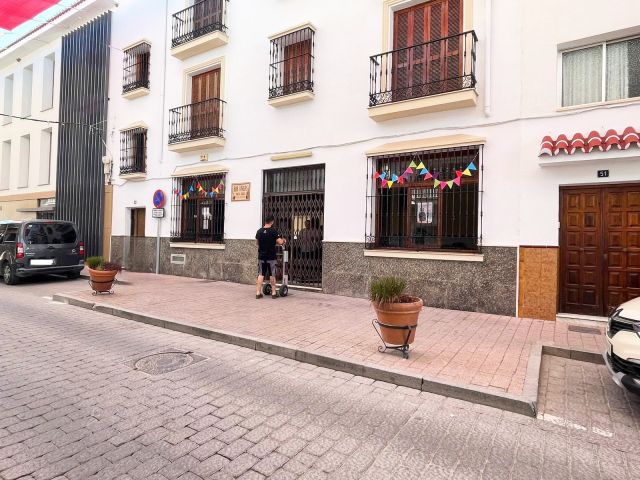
(307, 110)
(29, 114)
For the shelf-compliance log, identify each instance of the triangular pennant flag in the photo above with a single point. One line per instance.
(412, 164)
(420, 165)
(394, 177)
(458, 173)
(428, 176)
(383, 175)
(472, 166)
(466, 172)
(221, 182)
(401, 180)
(376, 176)
(389, 183)
(424, 171)
(436, 174)
(450, 183)
(198, 186)
(457, 181)
(436, 183)
(443, 185)
(191, 188)
(408, 170)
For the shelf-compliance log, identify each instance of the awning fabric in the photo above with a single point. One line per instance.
(194, 170)
(16, 12)
(580, 143)
(422, 144)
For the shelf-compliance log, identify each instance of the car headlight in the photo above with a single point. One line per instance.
(622, 323)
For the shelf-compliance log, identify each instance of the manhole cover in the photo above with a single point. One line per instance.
(576, 328)
(165, 362)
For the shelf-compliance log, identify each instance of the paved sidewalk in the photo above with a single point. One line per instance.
(469, 348)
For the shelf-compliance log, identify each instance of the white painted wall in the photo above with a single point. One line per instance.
(520, 198)
(17, 129)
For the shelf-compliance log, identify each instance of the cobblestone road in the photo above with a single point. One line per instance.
(72, 406)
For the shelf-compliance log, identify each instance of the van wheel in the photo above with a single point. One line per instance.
(8, 275)
(73, 275)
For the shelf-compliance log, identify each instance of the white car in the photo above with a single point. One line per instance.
(623, 345)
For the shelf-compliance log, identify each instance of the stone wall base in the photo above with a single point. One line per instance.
(488, 286)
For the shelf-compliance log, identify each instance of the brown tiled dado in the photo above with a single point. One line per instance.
(538, 279)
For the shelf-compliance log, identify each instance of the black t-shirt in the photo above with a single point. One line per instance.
(267, 238)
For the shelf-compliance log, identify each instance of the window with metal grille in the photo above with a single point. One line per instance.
(197, 209)
(419, 211)
(133, 151)
(291, 67)
(136, 67)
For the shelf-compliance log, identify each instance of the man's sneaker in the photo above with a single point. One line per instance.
(258, 296)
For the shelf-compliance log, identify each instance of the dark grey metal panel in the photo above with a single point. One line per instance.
(84, 80)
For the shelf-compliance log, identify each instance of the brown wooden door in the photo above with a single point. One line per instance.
(599, 248)
(426, 69)
(622, 245)
(206, 14)
(205, 111)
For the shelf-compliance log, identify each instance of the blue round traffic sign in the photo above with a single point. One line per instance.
(158, 199)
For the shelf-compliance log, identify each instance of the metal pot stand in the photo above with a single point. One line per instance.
(108, 292)
(404, 348)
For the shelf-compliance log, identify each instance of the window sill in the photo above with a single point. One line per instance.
(133, 176)
(588, 106)
(444, 256)
(418, 106)
(291, 99)
(138, 92)
(198, 144)
(198, 246)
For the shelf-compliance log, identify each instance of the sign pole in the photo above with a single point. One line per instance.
(158, 214)
(158, 248)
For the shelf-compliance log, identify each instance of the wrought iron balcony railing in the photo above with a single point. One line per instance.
(438, 66)
(197, 20)
(135, 72)
(291, 63)
(133, 151)
(197, 120)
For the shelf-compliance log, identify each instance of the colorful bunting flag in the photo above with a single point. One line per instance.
(424, 171)
(420, 165)
(383, 175)
(413, 164)
(457, 181)
(472, 166)
(394, 177)
(436, 183)
(376, 176)
(458, 173)
(466, 172)
(408, 170)
(428, 176)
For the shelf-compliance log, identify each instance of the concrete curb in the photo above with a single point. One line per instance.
(525, 404)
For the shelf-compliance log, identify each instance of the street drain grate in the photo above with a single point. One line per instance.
(165, 362)
(576, 328)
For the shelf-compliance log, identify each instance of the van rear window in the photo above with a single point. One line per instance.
(49, 233)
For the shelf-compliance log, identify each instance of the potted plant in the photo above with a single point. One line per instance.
(397, 312)
(102, 273)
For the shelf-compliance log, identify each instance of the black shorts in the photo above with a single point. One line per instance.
(267, 268)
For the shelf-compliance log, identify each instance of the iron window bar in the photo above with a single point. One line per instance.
(198, 218)
(196, 120)
(136, 67)
(416, 216)
(291, 65)
(201, 18)
(443, 65)
(133, 151)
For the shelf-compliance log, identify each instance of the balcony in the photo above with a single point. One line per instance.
(196, 126)
(291, 67)
(135, 71)
(133, 153)
(199, 28)
(430, 77)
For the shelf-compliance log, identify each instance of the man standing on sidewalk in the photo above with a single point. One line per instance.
(267, 238)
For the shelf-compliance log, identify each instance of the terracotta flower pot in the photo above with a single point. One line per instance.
(398, 314)
(102, 280)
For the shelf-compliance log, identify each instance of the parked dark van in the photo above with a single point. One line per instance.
(39, 247)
